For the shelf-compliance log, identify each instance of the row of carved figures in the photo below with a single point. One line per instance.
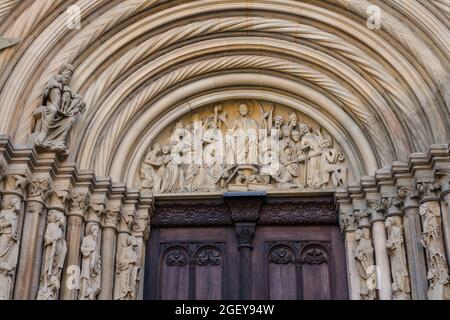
(431, 239)
(54, 254)
(301, 158)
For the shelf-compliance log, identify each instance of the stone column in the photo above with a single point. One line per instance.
(31, 244)
(11, 213)
(377, 212)
(444, 176)
(348, 228)
(75, 221)
(109, 239)
(414, 249)
(53, 247)
(141, 231)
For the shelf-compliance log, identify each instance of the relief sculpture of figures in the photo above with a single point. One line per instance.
(91, 266)
(60, 109)
(55, 249)
(9, 248)
(438, 275)
(395, 246)
(237, 146)
(127, 270)
(364, 255)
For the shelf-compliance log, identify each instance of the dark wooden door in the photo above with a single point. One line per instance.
(235, 260)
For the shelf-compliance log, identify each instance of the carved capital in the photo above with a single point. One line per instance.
(245, 209)
(126, 218)
(444, 177)
(347, 221)
(409, 198)
(377, 209)
(58, 199)
(394, 205)
(96, 210)
(245, 233)
(16, 183)
(79, 204)
(362, 218)
(39, 189)
(111, 216)
(141, 224)
(428, 190)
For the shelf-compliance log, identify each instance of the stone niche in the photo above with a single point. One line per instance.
(243, 145)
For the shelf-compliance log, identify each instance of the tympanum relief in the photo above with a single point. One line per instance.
(242, 146)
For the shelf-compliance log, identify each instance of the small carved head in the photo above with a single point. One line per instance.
(293, 119)
(279, 120)
(304, 128)
(66, 73)
(296, 135)
(286, 131)
(243, 109)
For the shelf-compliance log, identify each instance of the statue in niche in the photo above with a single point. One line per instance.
(55, 249)
(364, 255)
(439, 288)
(329, 167)
(311, 144)
(9, 246)
(395, 246)
(127, 270)
(245, 130)
(60, 109)
(91, 265)
(151, 181)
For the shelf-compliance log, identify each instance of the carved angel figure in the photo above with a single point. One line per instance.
(364, 255)
(9, 247)
(127, 270)
(91, 266)
(55, 249)
(60, 108)
(396, 248)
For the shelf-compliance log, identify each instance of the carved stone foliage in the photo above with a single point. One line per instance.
(16, 182)
(55, 249)
(91, 265)
(191, 214)
(9, 245)
(79, 203)
(193, 254)
(365, 261)
(298, 252)
(438, 274)
(297, 212)
(60, 109)
(347, 221)
(242, 146)
(39, 189)
(111, 216)
(128, 266)
(395, 245)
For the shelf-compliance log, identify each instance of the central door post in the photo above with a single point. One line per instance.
(245, 208)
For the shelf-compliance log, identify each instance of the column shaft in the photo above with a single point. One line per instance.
(382, 261)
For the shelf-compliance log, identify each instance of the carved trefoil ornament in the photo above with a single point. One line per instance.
(242, 146)
(59, 110)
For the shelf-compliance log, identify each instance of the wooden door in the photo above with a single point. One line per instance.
(267, 259)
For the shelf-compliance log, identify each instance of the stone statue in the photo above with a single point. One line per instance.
(293, 121)
(60, 109)
(127, 270)
(151, 181)
(311, 144)
(395, 246)
(170, 172)
(246, 135)
(329, 167)
(300, 156)
(364, 255)
(438, 275)
(91, 266)
(9, 246)
(55, 249)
